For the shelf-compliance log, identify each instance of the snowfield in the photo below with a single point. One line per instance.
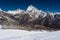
(10, 34)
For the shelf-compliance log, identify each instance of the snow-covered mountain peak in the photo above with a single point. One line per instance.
(34, 11)
(15, 11)
(31, 7)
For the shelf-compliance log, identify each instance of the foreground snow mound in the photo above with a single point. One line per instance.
(8, 34)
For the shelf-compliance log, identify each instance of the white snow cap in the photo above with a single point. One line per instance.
(33, 10)
(31, 7)
(15, 11)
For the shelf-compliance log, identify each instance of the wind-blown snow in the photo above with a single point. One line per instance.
(9, 34)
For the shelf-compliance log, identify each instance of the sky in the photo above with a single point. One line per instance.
(45, 5)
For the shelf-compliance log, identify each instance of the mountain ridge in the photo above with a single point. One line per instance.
(31, 19)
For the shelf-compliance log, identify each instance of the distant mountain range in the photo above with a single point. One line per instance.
(30, 19)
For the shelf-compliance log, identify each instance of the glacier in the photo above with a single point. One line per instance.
(10, 34)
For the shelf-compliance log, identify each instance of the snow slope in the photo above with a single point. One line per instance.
(9, 34)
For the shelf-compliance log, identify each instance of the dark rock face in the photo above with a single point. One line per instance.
(22, 18)
(48, 22)
(56, 21)
(2, 19)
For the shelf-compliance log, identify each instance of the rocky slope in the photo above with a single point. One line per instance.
(31, 19)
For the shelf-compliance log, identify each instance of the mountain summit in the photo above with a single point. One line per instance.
(34, 11)
(31, 7)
